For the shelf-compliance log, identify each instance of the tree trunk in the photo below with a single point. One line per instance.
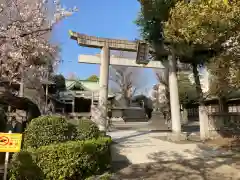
(157, 96)
(203, 114)
(167, 106)
(167, 94)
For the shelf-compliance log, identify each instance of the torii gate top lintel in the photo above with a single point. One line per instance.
(97, 42)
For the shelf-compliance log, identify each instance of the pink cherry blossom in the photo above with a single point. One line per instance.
(25, 28)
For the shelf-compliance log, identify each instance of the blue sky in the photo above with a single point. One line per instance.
(105, 18)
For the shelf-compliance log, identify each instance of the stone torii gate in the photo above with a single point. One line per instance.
(106, 45)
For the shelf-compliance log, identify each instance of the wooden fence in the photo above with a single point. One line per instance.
(193, 112)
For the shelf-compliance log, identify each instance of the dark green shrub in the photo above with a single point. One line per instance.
(24, 166)
(70, 160)
(59, 81)
(87, 129)
(46, 130)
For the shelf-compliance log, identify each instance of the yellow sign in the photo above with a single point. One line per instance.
(225, 2)
(10, 142)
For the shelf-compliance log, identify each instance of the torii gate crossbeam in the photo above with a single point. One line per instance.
(91, 59)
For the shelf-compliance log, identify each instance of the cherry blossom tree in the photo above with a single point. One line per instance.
(160, 95)
(72, 76)
(27, 57)
(25, 27)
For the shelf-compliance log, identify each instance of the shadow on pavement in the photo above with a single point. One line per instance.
(200, 163)
(120, 161)
(119, 140)
(174, 166)
(128, 120)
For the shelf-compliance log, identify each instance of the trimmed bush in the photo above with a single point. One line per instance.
(24, 166)
(47, 130)
(70, 160)
(87, 129)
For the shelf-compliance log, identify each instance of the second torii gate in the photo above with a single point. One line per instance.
(106, 45)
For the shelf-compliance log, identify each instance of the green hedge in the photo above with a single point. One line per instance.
(47, 130)
(87, 129)
(70, 160)
(24, 167)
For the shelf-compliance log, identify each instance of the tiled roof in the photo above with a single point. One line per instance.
(86, 85)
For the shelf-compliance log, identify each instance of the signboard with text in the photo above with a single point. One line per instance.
(10, 142)
(142, 53)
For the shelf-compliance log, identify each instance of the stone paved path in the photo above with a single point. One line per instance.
(142, 155)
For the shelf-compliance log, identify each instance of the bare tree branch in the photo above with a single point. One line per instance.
(126, 80)
(160, 92)
(45, 30)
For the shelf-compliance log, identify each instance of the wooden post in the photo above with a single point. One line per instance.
(92, 99)
(6, 163)
(21, 89)
(73, 105)
(46, 99)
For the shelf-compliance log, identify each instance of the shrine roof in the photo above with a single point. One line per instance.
(71, 83)
(89, 85)
(83, 85)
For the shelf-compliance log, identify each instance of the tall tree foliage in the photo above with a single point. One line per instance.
(194, 31)
(225, 70)
(187, 91)
(199, 31)
(60, 82)
(150, 21)
(93, 78)
(201, 25)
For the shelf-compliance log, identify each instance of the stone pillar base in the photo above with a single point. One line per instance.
(184, 117)
(97, 118)
(214, 134)
(176, 136)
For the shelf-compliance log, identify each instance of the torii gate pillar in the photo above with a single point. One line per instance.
(103, 82)
(174, 97)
